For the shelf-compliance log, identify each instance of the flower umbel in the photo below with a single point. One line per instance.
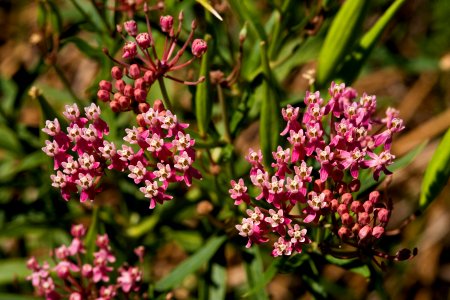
(314, 178)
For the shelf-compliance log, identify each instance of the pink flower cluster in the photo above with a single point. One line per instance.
(165, 153)
(340, 137)
(132, 81)
(76, 276)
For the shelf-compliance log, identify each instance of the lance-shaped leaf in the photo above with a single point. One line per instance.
(437, 173)
(340, 38)
(269, 124)
(203, 101)
(190, 265)
(209, 8)
(354, 62)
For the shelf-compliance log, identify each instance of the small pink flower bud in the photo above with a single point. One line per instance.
(140, 83)
(334, 204)
(356, 228)
(166, 23)
(102, 241)
(149, 77)
(103, 95)
(139, 251)
(199, 47)
(158, 105)
(378, 231)
(75, 296)
(128, 90)
(134, 71)
(328, 195)
(105, 85)
(115, 106)
(344, 232)
(368, 207)
(143, 108)
(194, 24)
(86, 270)
(140, 95)
(365, 232)
(116, 72)
(374, 197)
(342, 209)
(346, 198)
(318, 186)
(124, 103)
(117, 96)
(129, 50)
(341, 187)
(363, 218)
(143, 40)
(131, 27)
(356, 207)
(120, 85)
(32, 264)
(383, 215)
(347, 219)
(78, 231)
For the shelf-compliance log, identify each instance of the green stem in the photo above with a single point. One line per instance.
(223, 108)
(66, 84)
(165, 99)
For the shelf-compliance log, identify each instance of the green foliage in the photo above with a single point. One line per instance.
(437, 173)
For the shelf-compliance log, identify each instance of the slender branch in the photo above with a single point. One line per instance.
(165, 95)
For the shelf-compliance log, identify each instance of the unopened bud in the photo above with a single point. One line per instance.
(158, 105)
(378, 231)
(365, 232)
(78, 231)
(368, 207)
(103, 95)
(149, 77)
(344, 232)
(143, 108)
(116, 72)
(86, 270)
(166, 23)
(356, 207)
(346, 198)
(134, 71)
(120, 85)
(131, 27)
(143, 40)
(383, 215)
(128, 90)
(363, 218)
(140, 95)
(129, 50)
(105, 85)
(124, 103)
(115, 106)
(342, 209)
(347, 219)
(199, 47)
(334, 204)
(374, 197)
(140, 83)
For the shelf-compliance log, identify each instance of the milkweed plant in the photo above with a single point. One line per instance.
(155, 163)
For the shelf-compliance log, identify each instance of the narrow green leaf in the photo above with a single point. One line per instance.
(17, 297)
(144, 227)
(249, 16)
(269, 126)
(47, 110)
(340, 38)
(84, 47)
(13, 269)
(262, 281)
(254, 270)
(91, 235)
(437, 173)
(203, 101)
(354, 62)
(9, 141)
(190, 265)
(218, 288)
(209, 8)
